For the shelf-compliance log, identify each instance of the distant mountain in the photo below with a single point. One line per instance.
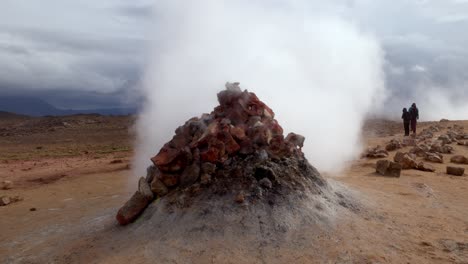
(36, 107)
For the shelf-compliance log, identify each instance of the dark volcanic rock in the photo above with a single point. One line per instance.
(457, 171)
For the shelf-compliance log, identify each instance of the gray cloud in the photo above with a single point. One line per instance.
(101, 46)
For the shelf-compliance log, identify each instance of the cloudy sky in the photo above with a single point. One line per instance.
(79, 54)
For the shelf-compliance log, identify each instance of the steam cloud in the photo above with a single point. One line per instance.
(316, 70)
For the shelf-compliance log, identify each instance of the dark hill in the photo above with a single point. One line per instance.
(32, 106)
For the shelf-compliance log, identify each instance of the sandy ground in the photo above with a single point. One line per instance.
(421, 217)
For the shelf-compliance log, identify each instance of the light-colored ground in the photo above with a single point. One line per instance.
(421, 217)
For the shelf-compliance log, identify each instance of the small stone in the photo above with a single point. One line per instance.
(262, 155)
(132, 208)
(4, 200)
(433, 157)
(266, 183)
(425, 167)
(240, 198)
(158, 187)
(6, 185)
(205, 179)
(32, 209)
(457, 171)
(189, 175)
(144, 189)
(459, 159)
(393, 145)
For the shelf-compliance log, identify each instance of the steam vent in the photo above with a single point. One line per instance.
(234, 161)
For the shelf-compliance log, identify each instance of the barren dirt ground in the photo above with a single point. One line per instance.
(73, 174)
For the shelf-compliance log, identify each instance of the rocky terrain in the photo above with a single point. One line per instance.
(65, 185)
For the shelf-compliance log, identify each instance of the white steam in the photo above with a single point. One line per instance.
(318, 72)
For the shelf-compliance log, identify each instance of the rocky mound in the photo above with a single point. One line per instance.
(233, 169)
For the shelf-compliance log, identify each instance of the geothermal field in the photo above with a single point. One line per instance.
(229, 186)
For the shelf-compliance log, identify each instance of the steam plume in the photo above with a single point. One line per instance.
(317, 71)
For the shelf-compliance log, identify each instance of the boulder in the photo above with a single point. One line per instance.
(132, 208)
(463, 143)
(443, 120)
(158, 187)
(6, 185)
(425, 167)
(144, 189)
(295, 139)
(457, 171)
(398, 156)
(190, 175)
(388, 168)
(459, 159)
(434, 157)
(446, 149)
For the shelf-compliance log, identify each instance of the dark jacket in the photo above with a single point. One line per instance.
(414, 113)
(406, 117)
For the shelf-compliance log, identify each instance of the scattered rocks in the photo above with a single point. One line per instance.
(393, 145)
(457, 171)
(376, 152)
(6, 185)
(445, 139)
(459, 159)
(388, 168)
(132, 208)
(408, 141)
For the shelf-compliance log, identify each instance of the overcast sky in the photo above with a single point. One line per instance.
(89, 53)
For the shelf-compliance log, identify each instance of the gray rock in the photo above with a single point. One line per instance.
(158, 187)
(144, 189)
(190, 175)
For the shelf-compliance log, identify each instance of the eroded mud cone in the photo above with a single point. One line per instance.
(238, 148)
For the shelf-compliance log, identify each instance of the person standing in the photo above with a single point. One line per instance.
(414, 116)
(406, 121)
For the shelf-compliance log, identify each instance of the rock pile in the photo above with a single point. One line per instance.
(239, 147)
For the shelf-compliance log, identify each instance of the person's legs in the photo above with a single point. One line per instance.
(413, 126)
(406, 125)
